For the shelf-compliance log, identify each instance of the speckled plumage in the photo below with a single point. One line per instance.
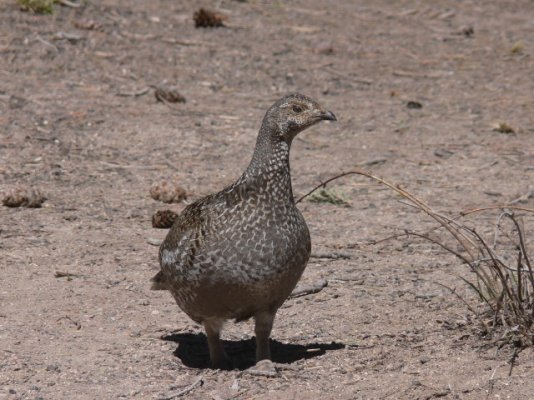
(239, 253)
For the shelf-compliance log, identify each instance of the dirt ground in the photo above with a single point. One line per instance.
(79, 120)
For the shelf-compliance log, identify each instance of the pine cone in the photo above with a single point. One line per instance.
(167, 192)
(170, 95)
(163, 219)
(208, 19)
(23, 197)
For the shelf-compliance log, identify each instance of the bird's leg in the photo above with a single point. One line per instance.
(264, 324)
(213, 332)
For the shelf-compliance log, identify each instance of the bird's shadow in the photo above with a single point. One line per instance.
(192, 350)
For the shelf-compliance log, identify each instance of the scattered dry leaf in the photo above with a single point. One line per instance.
(332, 196)
(37, 6)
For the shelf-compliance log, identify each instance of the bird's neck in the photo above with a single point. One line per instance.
(270, 165)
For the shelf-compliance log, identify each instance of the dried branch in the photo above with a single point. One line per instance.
(196, 382)
(304, 290)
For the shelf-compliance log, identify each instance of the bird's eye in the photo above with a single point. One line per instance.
(297, 109)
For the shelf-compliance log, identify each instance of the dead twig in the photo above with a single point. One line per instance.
(331, 256)
(183, 42)
(61, 274)
(497, 207)
(453, 291)
(304, 290)
(197, 382)
(433, 75)
(361, 81)
(47, 43)
(67, 3)
(505, 288)
(517, 350)
(491, 382)
(446, 222)
(524, 198)
(76, 323)
(137, 93)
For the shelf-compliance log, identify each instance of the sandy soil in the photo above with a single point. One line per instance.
(79, 120)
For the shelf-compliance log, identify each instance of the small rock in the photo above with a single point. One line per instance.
(264, 368)
(53, 368)
(325, 49)
(414, 105)
(154, 241)
(467, 31)
(235, 385)
(443, 153)
(17, 102)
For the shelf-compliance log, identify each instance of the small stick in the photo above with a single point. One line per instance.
(497, 207)
(182, 42)
(323, 184)
(332, 256)
(350, 78)
(523, 198)
(442, 220)
(61, 274)
(259, 372)
(512, 360)
(409, 74)
(309, 289)
(76, 323)
(453, 291)
(67, 3)
(197, 382)
(491, 383)
(46, 43)
(134, 94)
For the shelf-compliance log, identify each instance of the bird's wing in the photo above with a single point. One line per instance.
(180, 247)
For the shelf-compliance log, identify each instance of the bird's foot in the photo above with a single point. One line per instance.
(224, 363)
(264, 368)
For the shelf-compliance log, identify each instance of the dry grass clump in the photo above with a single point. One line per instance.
(37, 6)
(331, 196)
(503, 271)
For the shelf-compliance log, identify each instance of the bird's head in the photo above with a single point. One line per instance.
(294, 113)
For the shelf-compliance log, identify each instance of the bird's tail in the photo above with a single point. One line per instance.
(159, 282)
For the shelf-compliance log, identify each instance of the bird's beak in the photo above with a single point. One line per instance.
(328, 116)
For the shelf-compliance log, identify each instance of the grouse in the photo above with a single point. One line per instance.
(239, 253)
